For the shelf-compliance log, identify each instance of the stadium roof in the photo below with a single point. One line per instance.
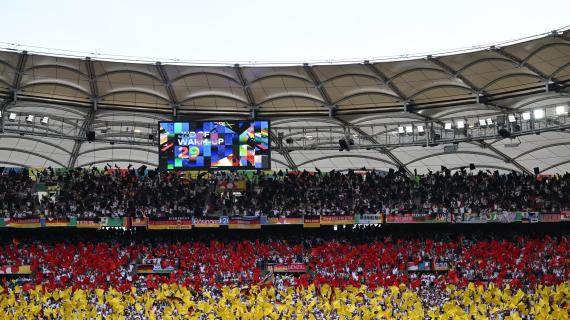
(122, 101)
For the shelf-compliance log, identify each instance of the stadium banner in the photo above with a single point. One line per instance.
(151, 269)
(2, 224)
(244, 223)
(279, 267)
(206, 223)
(503, 217)
(440, 266)
(231, 186)
(291, 267)
(564, 215)
(23, 269)
(54, 223)
(224, 220)
(421, 266)
(550, 217)
(22, 223)
(530, 217)
(172, 223)
(336, 220)
(400, 218)
(474, 218)
(425, 217)
(296, 267)
(135, 222)
(312, 222)
(368, 219)
(87, 223)
(282, 220)
(111, 222)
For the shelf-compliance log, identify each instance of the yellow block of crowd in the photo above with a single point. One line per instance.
(254, 302)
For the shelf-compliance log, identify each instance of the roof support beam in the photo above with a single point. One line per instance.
(245, 86)
(520, 63)
(3, 106)
(505, 157)
(283, 151)
(174, 102)
(92, 78)
(85, 126)
(22, 59)
(390, 84)
(318, 84)
(466, 81)
(454, 73)
(246, 91)
(373, 140)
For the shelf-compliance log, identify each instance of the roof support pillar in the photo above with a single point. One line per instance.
(85, 127)
(283, 150)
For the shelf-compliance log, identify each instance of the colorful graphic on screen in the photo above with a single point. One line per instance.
(242, 145)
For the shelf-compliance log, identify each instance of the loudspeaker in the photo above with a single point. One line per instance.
(504, 133)
(536, 170)
(151, 136)
(471, 166)
(90, 135)
(343, 145)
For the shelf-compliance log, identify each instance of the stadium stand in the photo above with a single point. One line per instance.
(364, 274)
(114, 193)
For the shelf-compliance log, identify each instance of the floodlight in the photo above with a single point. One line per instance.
(409, 129)
(460, 124)
(448, 126)
(12, 116)
(526, 116)
(538, 114)
(401, 130)
(44, 120)
(420, 128)
(560, 110)
(482, 122)
(489, 121)
(512, 118)
(30, 118)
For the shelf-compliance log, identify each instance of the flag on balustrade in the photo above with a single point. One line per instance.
(22, 223)
(244, 223)
(206, 222)
(170, 223)
(312, 222)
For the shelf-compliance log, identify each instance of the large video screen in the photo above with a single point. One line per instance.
(199, 145)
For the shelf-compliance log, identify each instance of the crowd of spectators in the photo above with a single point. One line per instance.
(373, 261)
(94, 193)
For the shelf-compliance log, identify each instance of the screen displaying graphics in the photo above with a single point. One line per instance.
(242, 145)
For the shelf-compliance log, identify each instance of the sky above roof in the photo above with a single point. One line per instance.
(271, 31)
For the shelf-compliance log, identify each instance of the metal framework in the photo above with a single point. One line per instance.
(380, 105)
